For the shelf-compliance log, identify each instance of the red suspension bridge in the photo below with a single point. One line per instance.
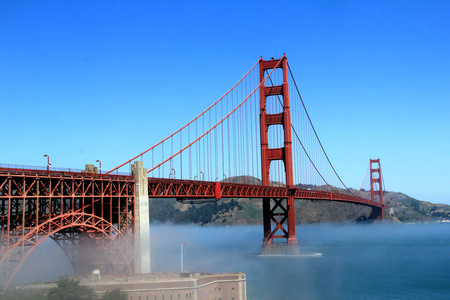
(257, 141)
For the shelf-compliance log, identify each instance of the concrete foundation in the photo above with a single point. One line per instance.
(281, 249)
(141, 219)
(286, 251)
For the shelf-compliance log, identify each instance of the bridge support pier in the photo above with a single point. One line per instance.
(280, 213)
(141, 223)
(377, 213)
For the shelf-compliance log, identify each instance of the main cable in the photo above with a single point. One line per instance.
(312, 126)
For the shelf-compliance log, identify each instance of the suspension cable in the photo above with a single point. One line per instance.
(186, 124)
(220, 122)
(296, 87)
(301, 144)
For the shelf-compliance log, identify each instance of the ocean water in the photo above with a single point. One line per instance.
(377, 261)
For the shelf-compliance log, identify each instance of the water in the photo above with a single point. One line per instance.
(380, 261)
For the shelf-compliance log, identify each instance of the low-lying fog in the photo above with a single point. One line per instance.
(359, 261)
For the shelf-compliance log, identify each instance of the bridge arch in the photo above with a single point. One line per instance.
(16, 254)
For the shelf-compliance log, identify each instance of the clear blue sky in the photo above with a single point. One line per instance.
(88, 80)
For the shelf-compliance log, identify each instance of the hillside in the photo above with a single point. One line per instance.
(402, 208)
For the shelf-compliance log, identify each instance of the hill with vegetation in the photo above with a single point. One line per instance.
(401, 208)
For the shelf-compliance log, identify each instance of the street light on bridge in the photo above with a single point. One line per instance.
(182, 257)
(99, 165)
(48, 161)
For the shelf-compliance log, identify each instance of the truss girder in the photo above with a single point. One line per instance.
(64, 206)
(176, 188)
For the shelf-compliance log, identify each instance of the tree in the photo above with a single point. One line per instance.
(70, 290)
(116, 294)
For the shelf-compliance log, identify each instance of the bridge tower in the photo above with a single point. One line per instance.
(277, 212)
(376, 188)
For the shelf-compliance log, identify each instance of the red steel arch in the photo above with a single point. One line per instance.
(72, 208)
(17, 254)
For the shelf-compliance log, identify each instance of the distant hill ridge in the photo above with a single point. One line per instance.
(402, 208)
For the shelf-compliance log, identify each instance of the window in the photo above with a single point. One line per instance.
(232, 288)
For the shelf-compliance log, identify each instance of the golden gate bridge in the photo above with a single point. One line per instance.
(257, 141)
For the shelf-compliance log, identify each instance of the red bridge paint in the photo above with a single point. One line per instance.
(71, 206)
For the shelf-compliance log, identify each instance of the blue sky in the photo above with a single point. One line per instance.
(88, 80)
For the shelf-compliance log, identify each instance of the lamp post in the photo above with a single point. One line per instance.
(182, 263)
(99, 165)
(48, 161)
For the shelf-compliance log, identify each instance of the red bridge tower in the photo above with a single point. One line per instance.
(376, 189)
(277, 211)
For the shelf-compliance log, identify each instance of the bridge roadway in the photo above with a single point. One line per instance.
(190, 189)
(175, 188)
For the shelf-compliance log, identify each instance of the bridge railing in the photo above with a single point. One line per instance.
(39, 169)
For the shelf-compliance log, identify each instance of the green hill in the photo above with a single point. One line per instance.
(402, 208)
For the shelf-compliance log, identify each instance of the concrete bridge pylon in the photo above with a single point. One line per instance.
(141, 223)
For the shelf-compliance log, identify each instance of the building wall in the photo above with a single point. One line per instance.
(166, 286)
(205, 287)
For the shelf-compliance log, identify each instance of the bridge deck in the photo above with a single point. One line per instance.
(175, 188)
(189, 189)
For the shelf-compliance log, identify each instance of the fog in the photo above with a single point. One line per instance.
(359, 261)
(389, 261)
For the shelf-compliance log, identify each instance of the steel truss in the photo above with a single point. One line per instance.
(83, 213)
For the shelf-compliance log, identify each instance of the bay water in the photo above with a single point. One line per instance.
(376, 261)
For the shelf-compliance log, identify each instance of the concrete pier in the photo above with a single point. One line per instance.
(141, 219)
